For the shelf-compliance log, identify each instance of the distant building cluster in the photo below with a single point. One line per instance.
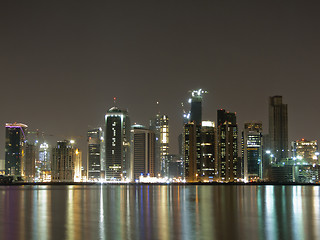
(208, 151)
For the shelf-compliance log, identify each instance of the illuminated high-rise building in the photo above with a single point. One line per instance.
(43, 163)
(278, 128)
(252, 151)
(15, 148)
(155, 127)
(192, 137)
(142, 152)
(192, 152)
(31, 156)
(209, 151)
(227, 130)
(117, 144)
(94, 154)
(306, 151)
(66, 162)
(160, 126)
(164, 143)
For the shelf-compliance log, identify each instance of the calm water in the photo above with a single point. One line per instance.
(159, 212)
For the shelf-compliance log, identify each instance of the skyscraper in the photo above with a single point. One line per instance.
(278, 128)
(155, 127)
(31, 156)
(192, 137)
(15, 148)
(192, 152)
(142, 152)
(164, 143)
(227, 146)
(252, 151)
(160, 126)
(208, 151)
(43, 164)
(94, 154)
(196, 106)
(66, 162)
(117, 144)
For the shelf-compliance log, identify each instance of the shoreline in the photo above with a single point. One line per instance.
(137, 184)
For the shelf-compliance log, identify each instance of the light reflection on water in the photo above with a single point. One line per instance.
(159, 212)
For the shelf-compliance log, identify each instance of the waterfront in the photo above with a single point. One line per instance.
(159, 212)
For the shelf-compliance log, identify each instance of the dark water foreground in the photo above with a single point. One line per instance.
(159, 212)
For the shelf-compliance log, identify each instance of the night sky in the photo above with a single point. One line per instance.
(62, 62)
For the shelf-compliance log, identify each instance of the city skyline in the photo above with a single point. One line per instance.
(62, 81)
(159, 119)
(120, 151)
(81, 140)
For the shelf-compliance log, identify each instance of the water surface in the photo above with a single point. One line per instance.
(159, 212)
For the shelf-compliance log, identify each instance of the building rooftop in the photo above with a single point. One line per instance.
(16, 125)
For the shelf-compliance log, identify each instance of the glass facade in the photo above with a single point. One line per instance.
(252, 151)
(15, 148)
(94, 154)
(117, 142)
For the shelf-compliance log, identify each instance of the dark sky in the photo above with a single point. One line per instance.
(62, 62)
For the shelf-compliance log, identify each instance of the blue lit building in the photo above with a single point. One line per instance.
(94, 154)
(252, 151)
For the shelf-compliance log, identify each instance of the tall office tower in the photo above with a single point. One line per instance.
(66, 162)
(102, 155)
(43, 163)
(192, 137)
(278, 128)
(252, 151)
(209, 151)
(117, 144)
(30, 162)
(192, 152)
(142, 152)
(15, 148)
(306, 151)
(164, 143)
(94, 154)
(196, 106)
(160, 126)
(155, 127)
(227, 146)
